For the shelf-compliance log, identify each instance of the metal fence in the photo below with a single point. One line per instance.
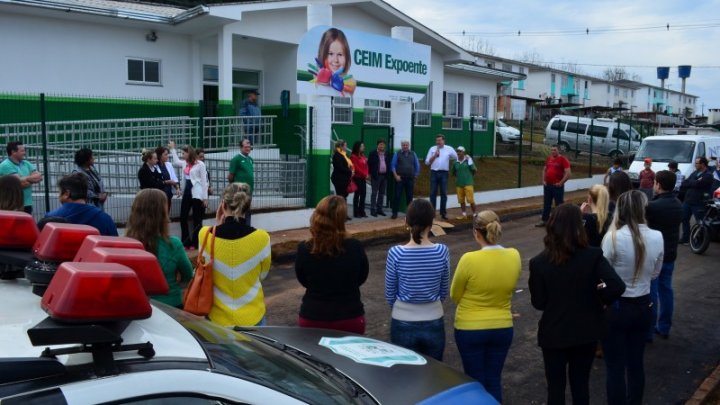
(280, 180)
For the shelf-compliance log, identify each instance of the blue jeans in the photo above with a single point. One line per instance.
(407, 184)
(661, 293)
(550, 193)
(624, 349)
(483, 354)
(439, 179)
(426, 337)
(697, 210)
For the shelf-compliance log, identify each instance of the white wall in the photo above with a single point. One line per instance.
(538, 83)
(469, 85)
(73, 58)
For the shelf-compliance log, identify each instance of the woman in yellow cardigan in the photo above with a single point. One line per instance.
(242, 261)
(482, 289)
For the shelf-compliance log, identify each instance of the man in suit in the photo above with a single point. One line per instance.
(379, 167)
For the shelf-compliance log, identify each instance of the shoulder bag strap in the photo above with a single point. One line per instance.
(212, 245)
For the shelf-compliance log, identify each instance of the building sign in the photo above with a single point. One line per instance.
(370, 351)
(346, 63)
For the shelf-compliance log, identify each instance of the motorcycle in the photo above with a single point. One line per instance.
(707, 229)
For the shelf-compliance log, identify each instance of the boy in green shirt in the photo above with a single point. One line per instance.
(464, 170)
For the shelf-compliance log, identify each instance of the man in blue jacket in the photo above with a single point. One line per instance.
(73, 191)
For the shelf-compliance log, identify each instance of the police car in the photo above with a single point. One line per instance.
(93, 337)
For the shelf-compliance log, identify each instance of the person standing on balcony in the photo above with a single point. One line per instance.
(250, 108)
(16, 165)
(438, 158)
(556, 173)
(379, 163)
(241, 170)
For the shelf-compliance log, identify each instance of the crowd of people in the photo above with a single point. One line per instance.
(603, 280)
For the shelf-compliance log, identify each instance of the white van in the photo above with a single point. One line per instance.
(605, 136)
(683, 149)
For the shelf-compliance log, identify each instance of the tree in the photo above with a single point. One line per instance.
(614, 73)
(533, 57)
(476, 44)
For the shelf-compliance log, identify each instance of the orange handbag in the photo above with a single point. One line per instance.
(198, 297)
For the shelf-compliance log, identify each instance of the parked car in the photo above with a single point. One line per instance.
(504, 133)
(604, 136)
(87, 333)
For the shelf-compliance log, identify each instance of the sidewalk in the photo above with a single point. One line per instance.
(378, 229)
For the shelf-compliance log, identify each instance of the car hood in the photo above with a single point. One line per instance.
(429, 383)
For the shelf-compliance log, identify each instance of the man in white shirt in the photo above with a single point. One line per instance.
(438, 158)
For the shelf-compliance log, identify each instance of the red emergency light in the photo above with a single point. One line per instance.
(93, 241)
(17, 230)
(716, 194)
(142, 262)
(60, 242)
(95, 292)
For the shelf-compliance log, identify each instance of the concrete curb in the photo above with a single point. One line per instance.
(711, 384)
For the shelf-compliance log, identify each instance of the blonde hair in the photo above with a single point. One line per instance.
(147, 154)
(601, 198)
(630, 212)
(487, 223)
(236, 198)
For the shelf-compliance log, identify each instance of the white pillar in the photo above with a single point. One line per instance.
(401, 111)
(225, 64)
(320, 14)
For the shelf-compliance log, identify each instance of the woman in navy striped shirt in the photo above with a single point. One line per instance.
(416, 281)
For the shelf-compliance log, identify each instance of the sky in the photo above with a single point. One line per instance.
(555, 31)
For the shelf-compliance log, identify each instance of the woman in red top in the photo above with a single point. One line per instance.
(360, 164)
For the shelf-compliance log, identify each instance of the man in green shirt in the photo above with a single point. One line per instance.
(464, 170)
(241, 170)
(16, 165)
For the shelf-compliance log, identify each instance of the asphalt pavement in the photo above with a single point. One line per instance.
(674, 367)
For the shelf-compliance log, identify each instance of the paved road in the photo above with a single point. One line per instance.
(674, 367)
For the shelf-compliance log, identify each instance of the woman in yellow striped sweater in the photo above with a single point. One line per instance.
(482, 288)
(242, 261)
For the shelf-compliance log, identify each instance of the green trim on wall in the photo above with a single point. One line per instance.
(318, 183)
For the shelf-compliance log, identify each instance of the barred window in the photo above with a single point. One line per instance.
(479, 110)
(423, 109)
(452, 110)
(377, 112)
(342, 110)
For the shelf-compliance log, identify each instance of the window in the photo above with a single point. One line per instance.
(452, 110)
(576, 128)
(617, 91)
(625, 93)
(552, 78)
(377, 112)
(600, 132)
(491, 65)
(342, 110)
(700, 150)
(423, 109)
(632, 93)
(507, 66)
(479, 110)
(558, 125)
(619, 133)
(521, 83)
(608, 89)
(143, 71)
(564, 81)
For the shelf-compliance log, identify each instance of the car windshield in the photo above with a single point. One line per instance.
(250, 359)
(665, 150)
(501, 124)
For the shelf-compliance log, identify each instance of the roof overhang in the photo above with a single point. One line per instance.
(485, 72)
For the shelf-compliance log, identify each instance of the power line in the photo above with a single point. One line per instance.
(616, 65)
(593, 31)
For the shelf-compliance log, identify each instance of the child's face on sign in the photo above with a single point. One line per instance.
(336, 56)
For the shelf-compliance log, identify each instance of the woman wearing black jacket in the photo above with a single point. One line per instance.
(570, 282)
(342, 169)
(149, 174)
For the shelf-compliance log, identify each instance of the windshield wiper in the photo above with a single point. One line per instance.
(346, 383)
